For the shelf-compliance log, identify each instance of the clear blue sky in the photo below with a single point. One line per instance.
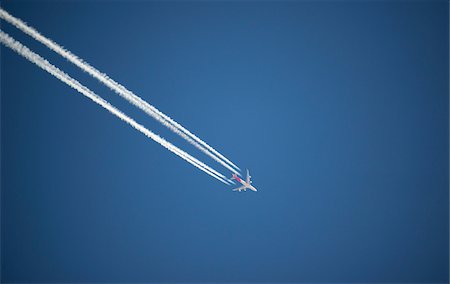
(339, 109)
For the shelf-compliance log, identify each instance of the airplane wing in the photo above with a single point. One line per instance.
(248, 177)
(239, 188)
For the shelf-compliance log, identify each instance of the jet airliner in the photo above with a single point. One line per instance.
(245, 183)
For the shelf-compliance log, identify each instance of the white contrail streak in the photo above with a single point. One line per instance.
(53, 70)
(122, 91)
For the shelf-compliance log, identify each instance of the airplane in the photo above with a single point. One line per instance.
(245, 183)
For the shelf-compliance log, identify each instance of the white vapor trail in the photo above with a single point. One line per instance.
(123, 92)
(55, 71)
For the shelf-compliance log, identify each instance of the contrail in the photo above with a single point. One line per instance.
(123, 92)
(55, 71)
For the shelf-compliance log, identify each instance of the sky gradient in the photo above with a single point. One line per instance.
(339, 110)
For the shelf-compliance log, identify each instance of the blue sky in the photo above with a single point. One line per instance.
(339, 110)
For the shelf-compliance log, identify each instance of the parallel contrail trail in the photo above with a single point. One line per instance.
(123, 92)
(55, 71)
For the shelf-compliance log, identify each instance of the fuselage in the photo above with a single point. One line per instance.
(239, 179)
